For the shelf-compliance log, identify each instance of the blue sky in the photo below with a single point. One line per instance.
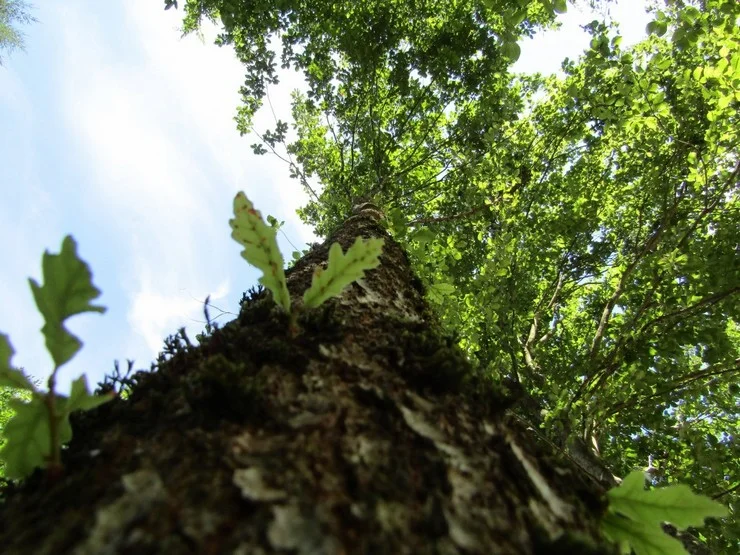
(119, 132)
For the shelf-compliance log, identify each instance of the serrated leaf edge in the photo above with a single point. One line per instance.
(266, 245)
(361, 256)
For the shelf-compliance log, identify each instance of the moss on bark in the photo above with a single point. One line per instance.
(366, 433)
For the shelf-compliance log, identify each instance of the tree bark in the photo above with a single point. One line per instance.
(367, 432)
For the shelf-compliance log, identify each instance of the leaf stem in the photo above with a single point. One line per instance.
(54, 463)
(293, 327)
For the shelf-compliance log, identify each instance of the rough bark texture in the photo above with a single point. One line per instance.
(365, 433)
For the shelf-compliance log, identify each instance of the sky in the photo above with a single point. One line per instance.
(116, 130)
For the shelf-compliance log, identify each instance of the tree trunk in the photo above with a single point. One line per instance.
(367, 432)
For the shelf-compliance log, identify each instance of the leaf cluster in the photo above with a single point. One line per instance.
(40, 423)
(635, 515)
(261, 251)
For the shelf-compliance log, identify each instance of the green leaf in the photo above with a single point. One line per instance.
(272, 220)
(516, 17)
(560, 6)
(679, 38)
(67, 290)
(675, 504)
(724, 101)
(511, 50)
(397, 220)
(689, 15)
(442, 288)
(657, 27)
(27, 434)
(643, 537)
(423, 235)
(81, 399)
(342, 269)
(9, 376)
(260, 248)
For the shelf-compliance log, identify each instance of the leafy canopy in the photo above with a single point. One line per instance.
(578, 232)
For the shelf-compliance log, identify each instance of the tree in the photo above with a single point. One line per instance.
(366, 431)
(564, 266)
(579, 234)
(12, 13)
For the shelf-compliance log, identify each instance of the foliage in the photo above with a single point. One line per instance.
(40, 424)
(440, 40)
(342, 269)
(67, 290)
(635, 515)
(578, 232)
(260, 248)
(7, 394)
(261, 251)
(12, 12)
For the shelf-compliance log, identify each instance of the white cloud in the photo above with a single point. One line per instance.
(155, 316)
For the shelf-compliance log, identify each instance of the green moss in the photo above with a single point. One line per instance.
(221, 389)
(259, 309)
(322, 321)
(431, 362)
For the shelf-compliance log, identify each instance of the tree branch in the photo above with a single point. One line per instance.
(681, 383)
